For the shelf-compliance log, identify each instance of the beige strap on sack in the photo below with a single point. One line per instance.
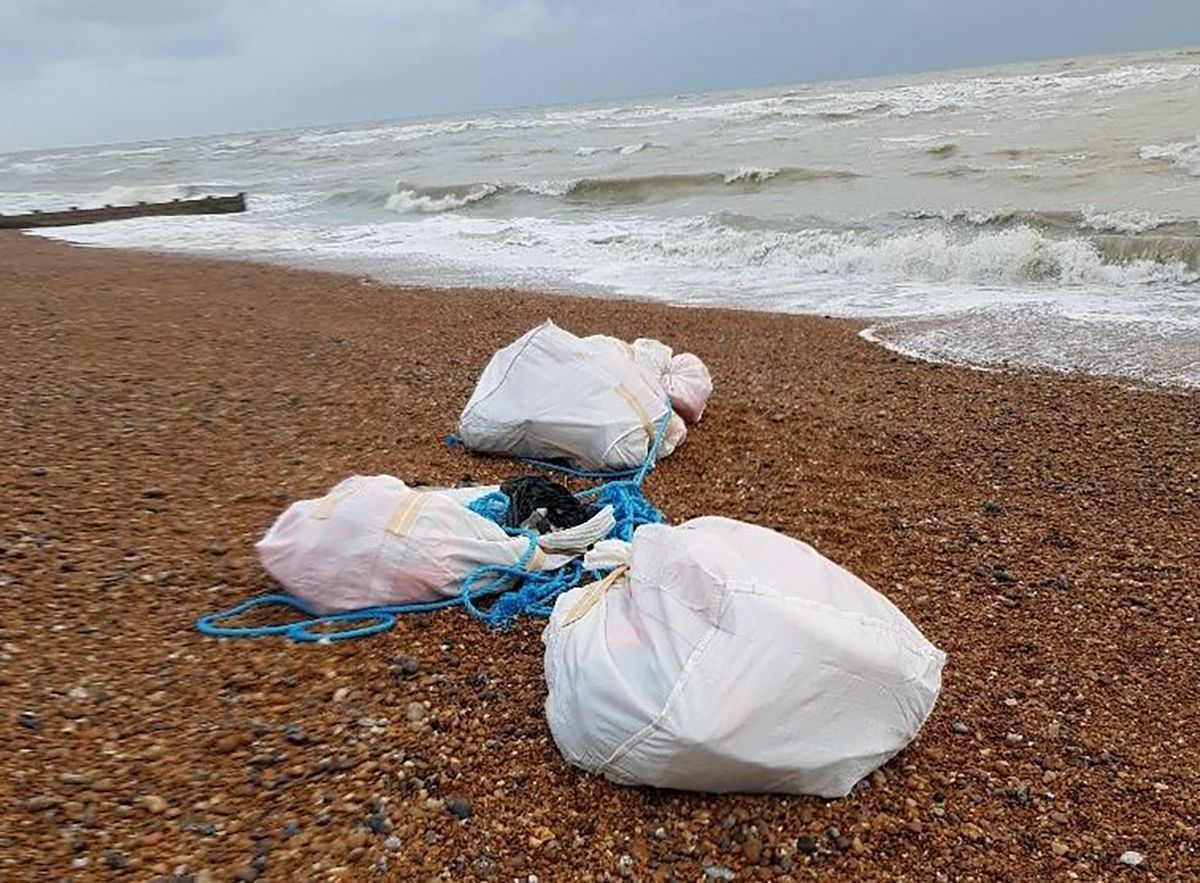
(406, 513)
(647, 424)
(324, 507)
(592, 594)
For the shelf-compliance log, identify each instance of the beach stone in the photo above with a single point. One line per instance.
(806, 845)
(718, 872)
(295, 734)
(960, 728)
(1132, 857)
(153, 803)
(29, 721)
(416, 712)
(405, 666)
(43, 802)
(459, 806)
(752, 849)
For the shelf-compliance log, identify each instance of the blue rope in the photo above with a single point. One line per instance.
(519, 590)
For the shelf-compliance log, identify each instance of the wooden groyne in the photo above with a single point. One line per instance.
(208, 205)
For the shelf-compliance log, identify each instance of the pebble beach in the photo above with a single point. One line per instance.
(157, 412)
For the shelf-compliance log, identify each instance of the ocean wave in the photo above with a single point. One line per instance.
(439, 199)
(1088, 219)
(1182, 154)
(148, 150)
(611, 190)
(852, 111)
(620, 149)
(30, 167)
(942, 151)
(1018, 256)
(123, 195)
(1119, 220)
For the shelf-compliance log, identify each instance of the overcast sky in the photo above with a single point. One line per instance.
(92, 71)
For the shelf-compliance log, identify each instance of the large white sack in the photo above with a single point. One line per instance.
(551, 394)
(733, 658)
(373, 541)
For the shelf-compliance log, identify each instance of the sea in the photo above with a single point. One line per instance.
(1042, 215)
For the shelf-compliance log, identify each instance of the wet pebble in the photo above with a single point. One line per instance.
(459, 806)
(405, 666)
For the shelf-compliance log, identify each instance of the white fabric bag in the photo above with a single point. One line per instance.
(551, 394)
(733, 658)
(684, 376)
(374, 541)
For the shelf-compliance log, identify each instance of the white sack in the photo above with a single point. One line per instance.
(733, 658)
(689, 385)
(683, 375)
(372, 541)
(551, 394)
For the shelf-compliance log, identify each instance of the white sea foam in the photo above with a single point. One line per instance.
(124, 195)
(750, 175)
(411, 201)
(1120, 220)
(1183, 154)
(619, 149)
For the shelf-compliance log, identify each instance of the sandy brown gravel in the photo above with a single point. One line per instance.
(156, 413)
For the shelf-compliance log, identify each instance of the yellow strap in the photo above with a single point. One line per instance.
(647, 424)
(592, 594)
(324, 507)
(537, 560)
(406, 513)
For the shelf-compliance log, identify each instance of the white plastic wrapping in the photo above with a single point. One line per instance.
(729, 657)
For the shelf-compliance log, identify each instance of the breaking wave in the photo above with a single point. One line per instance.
(616, 190)
(620, 149)
(1018, 256)
(1119, 221)
(120, 195)
(439, 199)
(1087, 220)
(1182, 154)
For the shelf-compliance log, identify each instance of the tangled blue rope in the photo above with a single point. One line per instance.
(517, 591)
